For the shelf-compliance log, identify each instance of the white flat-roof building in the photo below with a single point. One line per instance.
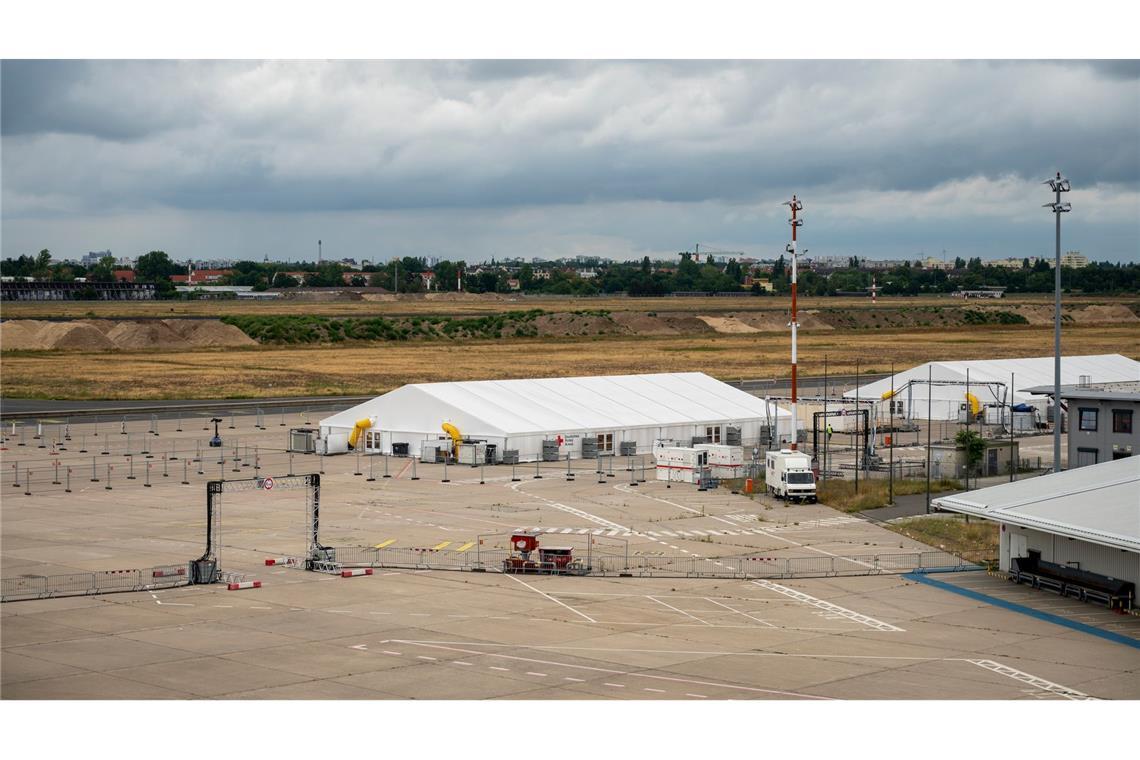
(522, 414)
(989, 381)
(1086, 519)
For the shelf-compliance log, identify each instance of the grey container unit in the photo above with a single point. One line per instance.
(550, 451)
(510, 456)
(303, 440)
(732, 435)
(492, 453)
(698, 439)
(430, 454)
(628, 448)
(589, 448)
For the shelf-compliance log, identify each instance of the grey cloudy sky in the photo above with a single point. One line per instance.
(475, 159)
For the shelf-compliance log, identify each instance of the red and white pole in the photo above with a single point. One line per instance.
(873, 301)
(796, 206)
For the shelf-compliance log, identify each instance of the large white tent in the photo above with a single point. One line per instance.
(521, 414)
(989, 381)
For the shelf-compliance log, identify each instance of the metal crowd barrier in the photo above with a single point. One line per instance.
(603, 564)
(100, 582)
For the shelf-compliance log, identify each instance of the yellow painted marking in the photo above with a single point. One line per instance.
(441, 545)
(386, 543)
(466, 546)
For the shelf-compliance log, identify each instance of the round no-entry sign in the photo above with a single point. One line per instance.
(267, 484)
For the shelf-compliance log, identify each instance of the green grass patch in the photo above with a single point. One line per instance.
(976, 541)
(840, 494)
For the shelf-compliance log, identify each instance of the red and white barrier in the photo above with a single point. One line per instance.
(169, 573)
(278, 561)
(243, 584)
(355, 572)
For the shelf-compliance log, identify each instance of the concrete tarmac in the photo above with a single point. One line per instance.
(404, 634)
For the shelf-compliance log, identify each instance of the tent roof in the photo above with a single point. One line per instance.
(1028, 373)
(566, 403)
(1098, 503)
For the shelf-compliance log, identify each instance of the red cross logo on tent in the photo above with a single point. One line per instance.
(561, 440)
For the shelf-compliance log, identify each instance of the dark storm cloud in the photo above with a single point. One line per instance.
(927, 139)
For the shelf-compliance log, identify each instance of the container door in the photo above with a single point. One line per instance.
(1018, 545)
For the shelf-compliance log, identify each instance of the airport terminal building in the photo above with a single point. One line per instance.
(554, 417)
(1084, 521)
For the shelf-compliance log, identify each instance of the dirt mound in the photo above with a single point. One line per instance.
(71, 335)
(576, 324)
(727, 325)
(102, 325)
(19, 334)
(642, 324)
(209, 332)
(1114, 312)
(1036, 315)
(686, 323)
(105, 334)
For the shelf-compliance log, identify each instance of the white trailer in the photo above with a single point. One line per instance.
(680, 464)
(724, 461)
(789, 476)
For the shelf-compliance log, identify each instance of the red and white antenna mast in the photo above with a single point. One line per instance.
(873, 290)
(796, 205)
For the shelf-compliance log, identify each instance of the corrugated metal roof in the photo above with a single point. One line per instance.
(567, 403)
(1099, 503)
(1027, 373)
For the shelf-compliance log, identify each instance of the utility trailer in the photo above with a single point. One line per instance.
(550, 560)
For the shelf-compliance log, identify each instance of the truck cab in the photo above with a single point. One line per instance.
(789, 476)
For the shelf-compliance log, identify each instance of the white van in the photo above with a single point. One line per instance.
(789, 476)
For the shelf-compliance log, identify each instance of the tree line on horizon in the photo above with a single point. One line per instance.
(634, 278)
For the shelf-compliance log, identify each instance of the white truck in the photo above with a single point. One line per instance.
(789, 476)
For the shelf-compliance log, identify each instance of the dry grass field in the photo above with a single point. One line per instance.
(269, 371)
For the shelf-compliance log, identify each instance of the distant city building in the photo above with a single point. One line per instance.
(835, 262)
(882, 263)
(932, 262)
(1074, 259)
(91, 258)
(1013, 262)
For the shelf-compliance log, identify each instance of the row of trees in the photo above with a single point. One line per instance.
(635, 278)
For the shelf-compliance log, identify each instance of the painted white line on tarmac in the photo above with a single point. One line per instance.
(1032, 680)
(800, 596)
(672, 679)
(677, 609)
(738, 612)
(548, 596)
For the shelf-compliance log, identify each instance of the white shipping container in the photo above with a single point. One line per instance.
(724, 461)
(680, 464)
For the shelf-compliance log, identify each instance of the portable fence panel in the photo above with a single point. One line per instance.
(23, 588)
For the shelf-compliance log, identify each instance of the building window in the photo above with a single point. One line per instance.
(1088, 419)
(712, 434)
(605, 442)
(1122, 421)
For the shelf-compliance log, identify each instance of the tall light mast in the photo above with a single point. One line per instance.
(1058, 185)
(796, 206)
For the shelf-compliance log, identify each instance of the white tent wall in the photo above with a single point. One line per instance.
(521, 414)
(985, 377)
